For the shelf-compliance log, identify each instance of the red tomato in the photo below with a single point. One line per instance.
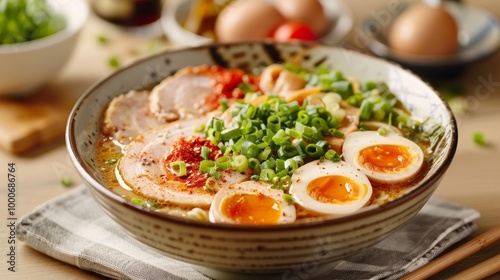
(290, 30)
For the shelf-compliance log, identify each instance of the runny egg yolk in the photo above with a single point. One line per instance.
(334, 189)
(251, 209)
(385, 158)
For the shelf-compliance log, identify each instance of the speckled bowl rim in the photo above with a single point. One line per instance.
(333, 221)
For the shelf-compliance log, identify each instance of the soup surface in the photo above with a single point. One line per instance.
(286, 145)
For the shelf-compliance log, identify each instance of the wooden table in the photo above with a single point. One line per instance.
(472, 180)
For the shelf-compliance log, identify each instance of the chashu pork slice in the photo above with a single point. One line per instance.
(182, 96)
(143, 169)
(128, 115)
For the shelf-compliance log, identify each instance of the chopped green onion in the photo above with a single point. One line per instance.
(332, 155)
(288, 199)
(323, 144)
(249, 149)
(66, 181)
(270, 163)
(366, 110)
(102, 39)
(303, 117)
(246, 88)
(253, 163)
(368, 85)
(206, 166)
(138, 200)
(265, 153)
(223, 163)
(285, 182)
(381, 131)
(291, 165)
(274, 123)
(211, 184)
(240, 163)
(255, 178)
(314, 151)
(319, 123)
(337, 133)
(301, 148)
(293, 133)
(199, 128)
(223, 104)
(217, 124)
(267, 174)
(479, 138)
(214, 173)
(287, 151)
(114, 62)
(230, 133)
(280, 138)
(344, 88)
(205, 152)
(151, 204)
(111, 161)
(179, 168)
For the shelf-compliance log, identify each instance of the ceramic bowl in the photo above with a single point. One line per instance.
(172, 16)
(26, 66)
(230, 251)
(479, 38)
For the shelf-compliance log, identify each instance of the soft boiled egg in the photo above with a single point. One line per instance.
(251, 203)
(330, 187)
(389, 158)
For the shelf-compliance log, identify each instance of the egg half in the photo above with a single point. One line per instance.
(389, 158)
(251, 203)
(330, 187)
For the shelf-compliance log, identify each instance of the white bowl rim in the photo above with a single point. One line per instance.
(333, 221)
(73, 25)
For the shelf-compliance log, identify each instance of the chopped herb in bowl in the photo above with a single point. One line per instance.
(27, 20)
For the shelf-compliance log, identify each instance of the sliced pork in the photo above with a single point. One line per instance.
(128, 115)
(144, 168)
(181, 97)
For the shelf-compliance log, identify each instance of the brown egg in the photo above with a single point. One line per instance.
(246, 20)
(424, 30)
(310, 12)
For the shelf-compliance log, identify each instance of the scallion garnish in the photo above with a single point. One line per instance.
(111, 161)
(479, 138)
(179, 168)
(205, 152)
(288, 198)
(211, 184)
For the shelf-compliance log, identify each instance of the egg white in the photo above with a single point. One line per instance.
(356, 141)
(288, 214)
(316, 169)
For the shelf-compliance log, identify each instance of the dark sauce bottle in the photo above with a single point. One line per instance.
(128, 13)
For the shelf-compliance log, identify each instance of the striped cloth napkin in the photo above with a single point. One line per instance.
(73, 229)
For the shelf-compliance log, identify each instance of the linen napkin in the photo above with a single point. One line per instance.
(73, 229)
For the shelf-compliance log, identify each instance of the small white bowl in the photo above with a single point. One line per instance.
(172, 16)
(26, 66)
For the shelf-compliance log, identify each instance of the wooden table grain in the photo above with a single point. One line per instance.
(472, 180)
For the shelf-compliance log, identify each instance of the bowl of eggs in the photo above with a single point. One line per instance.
(261, 157)
(197, 22)
(432, 38)
(37, 42)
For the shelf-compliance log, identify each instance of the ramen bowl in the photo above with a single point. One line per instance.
(233, 251)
